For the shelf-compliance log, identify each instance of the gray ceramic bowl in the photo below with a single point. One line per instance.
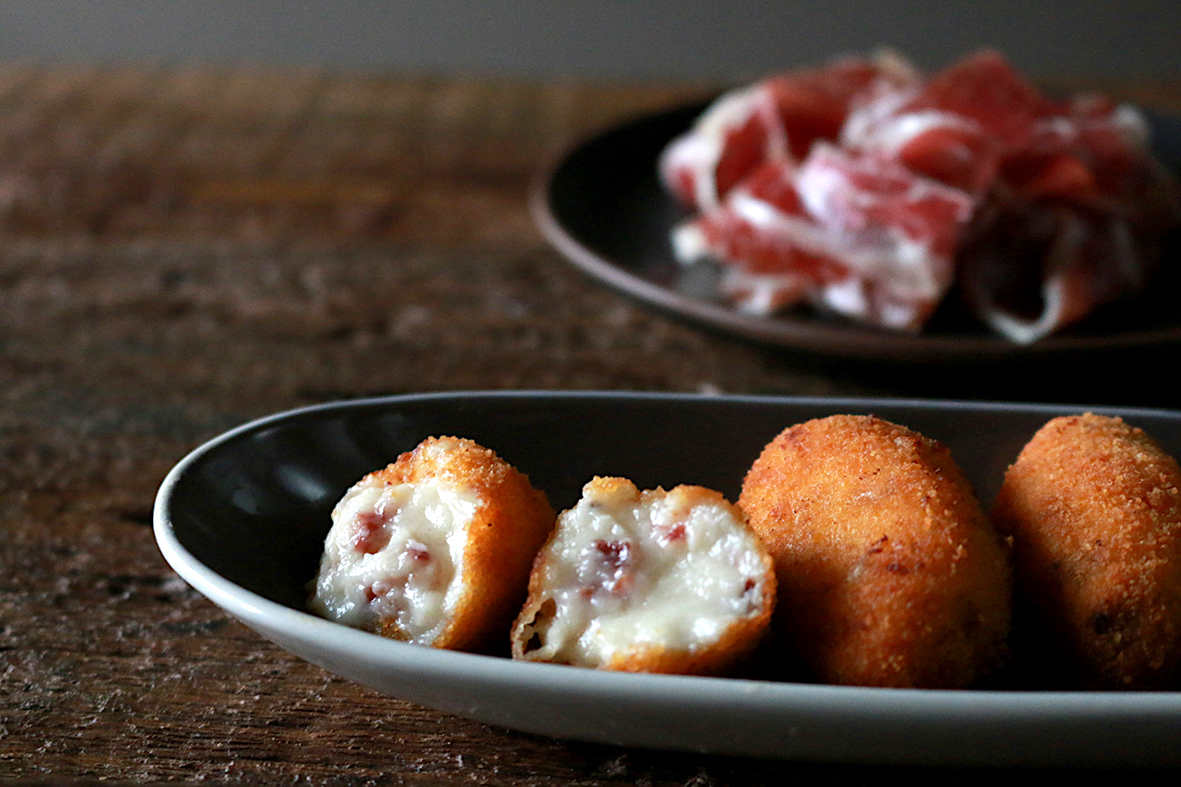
(243, 518)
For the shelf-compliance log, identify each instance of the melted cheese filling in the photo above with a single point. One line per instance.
(394, 553)
(627, 571)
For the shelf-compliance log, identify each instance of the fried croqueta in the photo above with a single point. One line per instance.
(650, 581)
(1093, 507)
(435, 549)
(889, 573)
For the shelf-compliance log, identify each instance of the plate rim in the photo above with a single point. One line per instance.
(990, 711)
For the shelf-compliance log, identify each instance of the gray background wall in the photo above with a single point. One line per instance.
(611, 38)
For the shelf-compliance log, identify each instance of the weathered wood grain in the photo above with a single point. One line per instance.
(183, 250)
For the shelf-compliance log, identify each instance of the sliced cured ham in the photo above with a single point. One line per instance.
(777, 118)
(863, 237)
(867, 190)
(955, 128)
(1035, 268)
(940, 145)
(985, 89)
(1074, 222)
(777, 254)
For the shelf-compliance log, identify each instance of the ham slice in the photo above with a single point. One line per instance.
(955, 128)
(863, 237)
(778, 118)
(1037, 268)
(1076, 222)
(863, 189)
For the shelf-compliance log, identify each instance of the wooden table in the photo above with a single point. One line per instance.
(184, 250)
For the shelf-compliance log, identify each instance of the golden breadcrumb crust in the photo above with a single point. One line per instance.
(508, 527)
(889, 573)
(737, 641)
(1093, 507)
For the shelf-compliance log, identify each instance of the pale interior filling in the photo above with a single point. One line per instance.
(629, 571)
(394, 553)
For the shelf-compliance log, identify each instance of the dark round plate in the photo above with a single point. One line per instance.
(604, 208)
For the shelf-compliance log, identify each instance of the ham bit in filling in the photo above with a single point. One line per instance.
(607, 569)
(394, 553)
(626, 570)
